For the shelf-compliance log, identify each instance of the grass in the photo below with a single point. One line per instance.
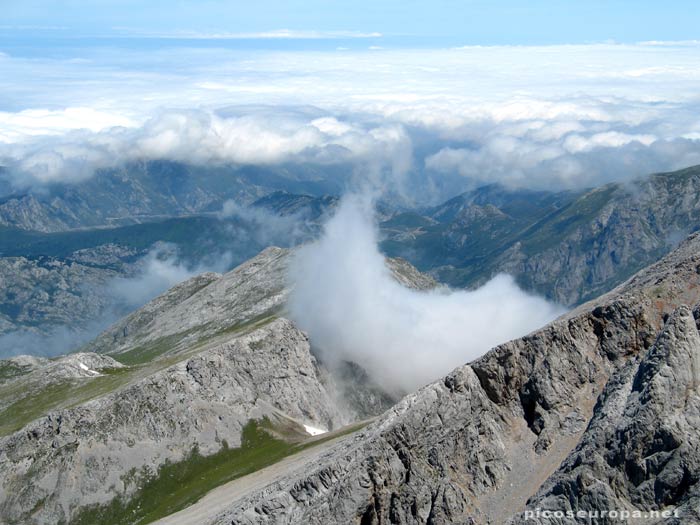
(151, 351)
(33, 403)
(34, 400)
(178, 485)
(170, 344)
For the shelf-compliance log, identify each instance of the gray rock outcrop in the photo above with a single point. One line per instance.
(597, 410)
(85, 455)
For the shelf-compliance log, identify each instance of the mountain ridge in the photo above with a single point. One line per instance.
(445, 454)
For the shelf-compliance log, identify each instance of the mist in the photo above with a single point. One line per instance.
(55, 341)
(345, 297)
(157, 271)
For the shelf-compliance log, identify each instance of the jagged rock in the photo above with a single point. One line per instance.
(597, 410)
(44, 292)
(407, 275)
(81, 456)
(640, 451)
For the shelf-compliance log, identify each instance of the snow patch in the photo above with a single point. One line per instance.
(313, 431)
(87, 369)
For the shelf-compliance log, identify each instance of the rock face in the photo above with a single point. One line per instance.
(83, 455)
(188, 370)
(50, 291)
(598, 410)
(568, 246)
(640, 450)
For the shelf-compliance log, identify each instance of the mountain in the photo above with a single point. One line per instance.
(569, 247)
(597, 411)
(39, 292)
(144, 191)
(203, 384)
(62, 280)
(209, 388)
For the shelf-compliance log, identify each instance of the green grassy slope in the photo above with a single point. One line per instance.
(178, 485)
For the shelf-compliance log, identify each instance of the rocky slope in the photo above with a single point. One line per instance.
(36, 294)
(597, 411)
(106, 447)
(569, 246)
(210, 304)
(180, 378)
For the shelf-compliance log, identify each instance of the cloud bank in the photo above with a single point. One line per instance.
(204, 137)
(538, 116)
(346, 299)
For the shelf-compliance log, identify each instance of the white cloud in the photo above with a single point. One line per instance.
(21, 125)
(204, 137)
(516, 114)
(610, 139)
(345, 297)
(277, 34)
(159, 271)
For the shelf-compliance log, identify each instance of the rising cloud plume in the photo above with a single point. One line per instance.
(353, 309)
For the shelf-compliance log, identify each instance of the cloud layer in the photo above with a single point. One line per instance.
(345, 297)
(549, 116)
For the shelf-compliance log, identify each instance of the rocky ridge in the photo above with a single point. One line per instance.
(209, 304)
(86, 455)
(568, 246)
(596, 411)
(186, 372)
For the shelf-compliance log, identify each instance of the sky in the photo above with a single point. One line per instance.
(427, 99)
(459, 22)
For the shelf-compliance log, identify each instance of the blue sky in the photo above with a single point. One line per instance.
(451, 22)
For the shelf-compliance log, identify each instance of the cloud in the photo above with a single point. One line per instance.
(16, 127)
(159, 270)
(257, 227)
(201, 137)
(59, 340)
(345, 298)
(402, 120)
(277, 34)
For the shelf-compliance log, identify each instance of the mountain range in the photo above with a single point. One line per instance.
(568, 246)
(208, 406)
